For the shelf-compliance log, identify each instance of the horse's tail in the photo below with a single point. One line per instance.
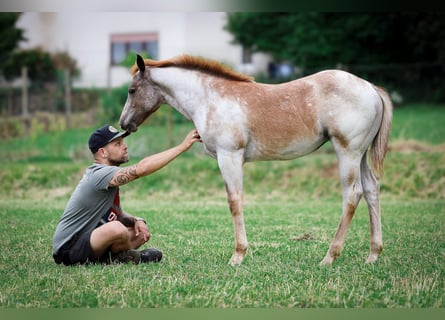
(380, 144)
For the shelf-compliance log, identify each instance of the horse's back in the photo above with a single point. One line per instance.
(294, 118)
(342, 86)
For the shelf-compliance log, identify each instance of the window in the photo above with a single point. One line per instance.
(123, 44)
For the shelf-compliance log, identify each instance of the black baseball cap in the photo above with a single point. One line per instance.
(103, 136)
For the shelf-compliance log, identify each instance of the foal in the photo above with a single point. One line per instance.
(240, 120)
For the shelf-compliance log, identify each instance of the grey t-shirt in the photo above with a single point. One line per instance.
(91, 199)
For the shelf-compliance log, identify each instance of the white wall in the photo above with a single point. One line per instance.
(86, 36)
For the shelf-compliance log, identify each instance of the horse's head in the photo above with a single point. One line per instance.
(143, 98)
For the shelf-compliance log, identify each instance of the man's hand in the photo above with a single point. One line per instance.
(141, 228)
(190, 139)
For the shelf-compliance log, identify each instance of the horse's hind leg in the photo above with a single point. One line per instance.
(349, 167)
(371, 188)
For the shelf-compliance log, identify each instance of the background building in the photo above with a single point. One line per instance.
(99, 41)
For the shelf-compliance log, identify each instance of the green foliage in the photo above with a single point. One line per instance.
(10, 35)
(402, 51)
(39, 64)
(42, 122)
(63, 61)
(315, 39)
(42, 66)
(112, 103)
(12, 128)
(86, 99)
(130, 58)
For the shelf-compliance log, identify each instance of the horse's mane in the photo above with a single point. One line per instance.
(199, 64)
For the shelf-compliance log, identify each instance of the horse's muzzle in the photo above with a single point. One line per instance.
(130, 127)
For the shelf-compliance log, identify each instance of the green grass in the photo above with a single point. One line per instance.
(419, 122)
(188, 215)
(196, 238)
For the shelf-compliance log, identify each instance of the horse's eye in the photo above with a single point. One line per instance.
(131, 90)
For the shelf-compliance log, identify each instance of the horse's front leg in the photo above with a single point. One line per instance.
(231, 166)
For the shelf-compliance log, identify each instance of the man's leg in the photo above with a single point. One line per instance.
(112, 235)
(121, 240)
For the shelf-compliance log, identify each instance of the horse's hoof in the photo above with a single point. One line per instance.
(372, 258)
(236, 260)
(327, 261)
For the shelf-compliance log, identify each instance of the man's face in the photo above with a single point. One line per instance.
(117, 152)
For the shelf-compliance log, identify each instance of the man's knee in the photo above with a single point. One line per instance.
(117, 230)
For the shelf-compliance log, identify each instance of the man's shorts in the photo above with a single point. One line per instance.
(78, 250)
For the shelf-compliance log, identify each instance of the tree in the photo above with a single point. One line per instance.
(42, 65)
(39, 63)
(10, 36)
(63, 61)
(314, 39)
(400, 49)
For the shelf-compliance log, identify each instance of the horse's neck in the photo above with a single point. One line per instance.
(183, 89)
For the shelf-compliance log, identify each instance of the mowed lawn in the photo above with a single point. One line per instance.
(291, 211)
(287, 240)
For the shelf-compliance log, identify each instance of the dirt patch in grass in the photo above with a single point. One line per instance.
(303, 237)
(410, 146)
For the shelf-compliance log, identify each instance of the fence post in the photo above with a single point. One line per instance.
(25, 101)
(10, 100)
(67, 98)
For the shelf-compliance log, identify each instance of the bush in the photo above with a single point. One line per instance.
(112, 103)
(86, 99)
(11, 128)
(39, 63)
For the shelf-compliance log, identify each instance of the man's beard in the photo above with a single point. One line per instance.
(117, 163)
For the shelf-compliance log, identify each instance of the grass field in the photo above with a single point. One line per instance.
(281, 269)
(291, 210)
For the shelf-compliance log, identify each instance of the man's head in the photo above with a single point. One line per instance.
(106, 144)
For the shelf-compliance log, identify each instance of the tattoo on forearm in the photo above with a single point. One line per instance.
(124, 176)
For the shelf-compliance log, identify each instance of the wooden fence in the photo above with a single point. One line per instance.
(49, 105)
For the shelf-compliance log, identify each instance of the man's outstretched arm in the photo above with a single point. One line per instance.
(154, 162)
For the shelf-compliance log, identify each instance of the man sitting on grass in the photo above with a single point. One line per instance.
(93, 227)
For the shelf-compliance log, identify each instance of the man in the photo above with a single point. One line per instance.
(93, 227)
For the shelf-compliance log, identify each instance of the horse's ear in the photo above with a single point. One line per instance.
(141, 64)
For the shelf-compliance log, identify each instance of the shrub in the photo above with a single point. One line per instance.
(112, 103)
